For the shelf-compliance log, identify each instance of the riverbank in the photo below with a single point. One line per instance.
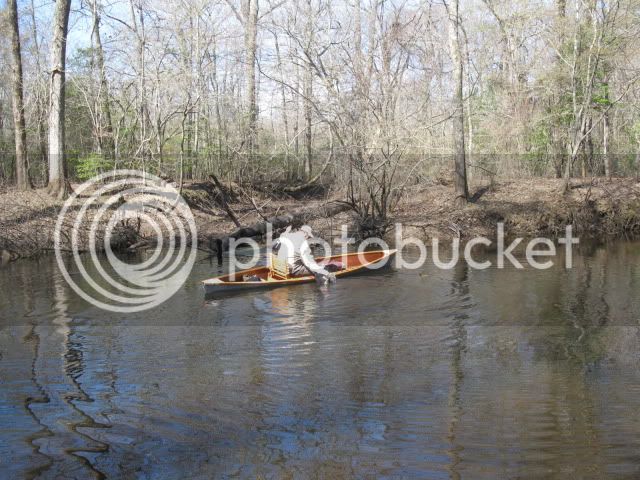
(530, 207)
(596, 209)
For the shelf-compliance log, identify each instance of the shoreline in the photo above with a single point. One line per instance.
(598, 209)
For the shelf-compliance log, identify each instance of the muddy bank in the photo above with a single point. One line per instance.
(28, 219)
(528, 208)
(596, 209)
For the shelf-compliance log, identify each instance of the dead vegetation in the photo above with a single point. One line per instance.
(528, 207)
(595, 208)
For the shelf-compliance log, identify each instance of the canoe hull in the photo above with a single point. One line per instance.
(354, 264)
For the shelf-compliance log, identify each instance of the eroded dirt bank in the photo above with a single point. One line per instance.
(531, 207)
(528, 208)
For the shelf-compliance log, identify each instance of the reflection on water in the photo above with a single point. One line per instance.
(427, 374)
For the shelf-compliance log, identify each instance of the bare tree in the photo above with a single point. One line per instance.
(592, 30)
(367, 92)
(58, 185)
(250, 12)
(138, 28)
(283, 95)
(39, 89)
(22, 171)
(248, 17)
(460, 166)
(308, 92)
(104, 133)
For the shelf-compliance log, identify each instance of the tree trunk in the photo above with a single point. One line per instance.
(40, 93)
(185, 113)
(250, 13)
(308, 91)
(587, 147)
(105, 125)
(285, 117)
(460, 167)
(590, 149)
(637, 158)
(143, 111)
(296, 120)
(561, 6)
(579, 114)
(57, 167)
(199, 96)
(605, 147)
(22, 171)
(307, 88)
(221, 131)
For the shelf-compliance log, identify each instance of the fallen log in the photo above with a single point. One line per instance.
(223, 201)
(220, 244)
(259, 209)
(312, 181)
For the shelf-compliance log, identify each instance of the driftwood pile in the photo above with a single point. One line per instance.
(220, 244)
(27, 224)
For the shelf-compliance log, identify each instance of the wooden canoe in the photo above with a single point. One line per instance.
(353, 262)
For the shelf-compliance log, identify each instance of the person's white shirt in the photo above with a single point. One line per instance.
(293, 247)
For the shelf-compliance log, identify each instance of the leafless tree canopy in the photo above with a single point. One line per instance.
(367, 95)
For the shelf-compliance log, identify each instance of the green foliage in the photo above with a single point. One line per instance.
(539, 139)
(628, 164)
(601, 95)
(90, 166)
(634, 131)
(82, 59)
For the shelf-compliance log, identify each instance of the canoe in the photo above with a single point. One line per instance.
(261, 276)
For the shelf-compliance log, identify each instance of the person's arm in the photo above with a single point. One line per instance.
(309, 262)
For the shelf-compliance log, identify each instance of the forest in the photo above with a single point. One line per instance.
(165, 340)
(365, 97)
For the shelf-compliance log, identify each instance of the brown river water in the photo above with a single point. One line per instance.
(397, 374)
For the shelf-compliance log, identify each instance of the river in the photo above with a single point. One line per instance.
(427, 373)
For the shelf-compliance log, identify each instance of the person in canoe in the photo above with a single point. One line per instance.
(293, 248)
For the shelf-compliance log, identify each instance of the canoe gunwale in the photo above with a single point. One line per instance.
(221, 282)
